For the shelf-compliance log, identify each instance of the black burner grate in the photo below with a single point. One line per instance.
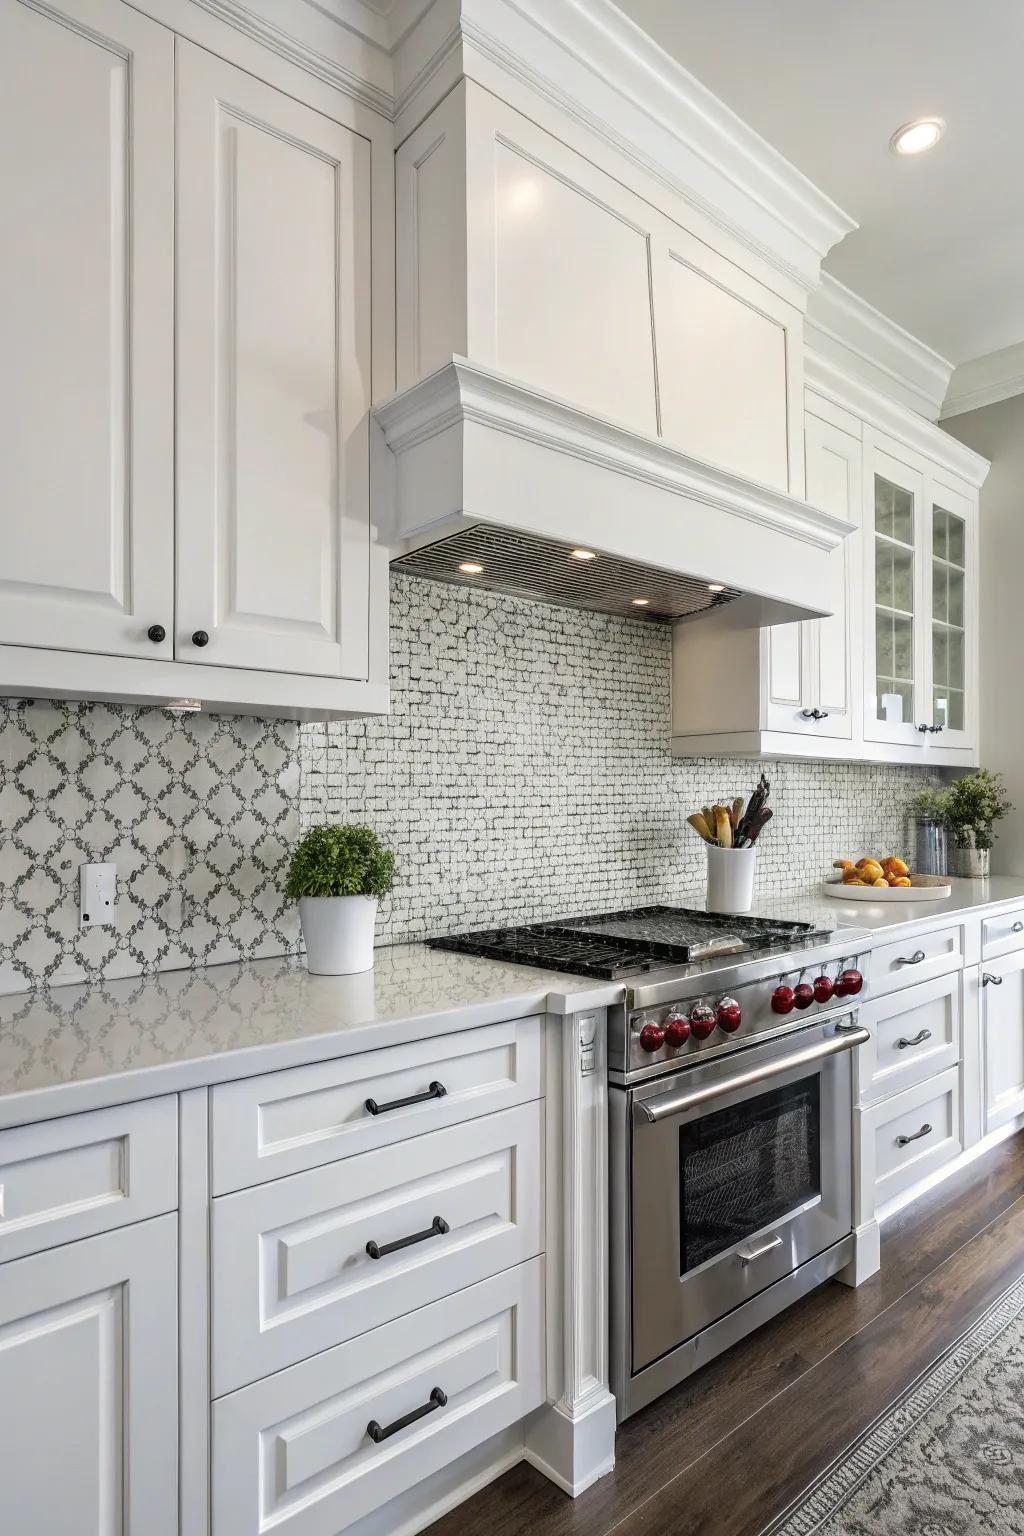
(614, 945)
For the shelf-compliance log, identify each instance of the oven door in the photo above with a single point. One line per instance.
(741, 1172)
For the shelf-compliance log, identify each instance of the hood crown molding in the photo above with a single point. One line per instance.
(842, 326)
(470, 445)
(986, 380)
(826, 378)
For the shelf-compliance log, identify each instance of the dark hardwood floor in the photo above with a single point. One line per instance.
(727, 1451)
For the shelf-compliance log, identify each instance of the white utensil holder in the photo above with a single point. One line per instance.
(731, 879)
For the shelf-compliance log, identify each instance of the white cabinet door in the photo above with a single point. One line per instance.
(88, 1387)
(273, 264)
(1002, 1027)
(86, 327)
(896, 539)
(952, 591)
(809, 687)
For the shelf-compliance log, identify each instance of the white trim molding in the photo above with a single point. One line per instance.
(826, 379)
(845, 328)
(471, 445)
(986, 380)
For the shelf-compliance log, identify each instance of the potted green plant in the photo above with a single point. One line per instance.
(337, 875)
(973, 805)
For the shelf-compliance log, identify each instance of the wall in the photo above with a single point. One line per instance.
(524, 773)
(997, 431)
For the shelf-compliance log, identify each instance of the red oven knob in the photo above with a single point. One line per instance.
(703, 1019)
(730, 1016)
(823, 989)
(652, 1037)
(849, 984)
(783, 1000)
(803, 995)
(677, 1029)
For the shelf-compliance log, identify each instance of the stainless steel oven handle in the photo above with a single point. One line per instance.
(674, 1103)
(748, 1256)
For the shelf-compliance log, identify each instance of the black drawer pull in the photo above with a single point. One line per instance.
(438, 1227)
(435, 1091)
(904, 1141)
(989, 980)
(1018, 927)
(378, 1432)
(919, 1039)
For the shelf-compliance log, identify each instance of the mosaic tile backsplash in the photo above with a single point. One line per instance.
(523, 773)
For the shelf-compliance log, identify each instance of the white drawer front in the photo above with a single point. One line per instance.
(265, 1127)
(910, 1136)
(61, 1180)
(905, 961)
(915, 1033)
(1002, 934)
(293, 1453)
(291, 1270)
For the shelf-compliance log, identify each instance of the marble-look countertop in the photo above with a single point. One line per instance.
(73, 1048)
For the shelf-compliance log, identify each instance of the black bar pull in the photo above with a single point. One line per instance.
(435, 1091)
(438, 1227)
(378, 1432)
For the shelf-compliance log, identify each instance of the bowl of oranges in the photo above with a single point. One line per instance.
(886, 879)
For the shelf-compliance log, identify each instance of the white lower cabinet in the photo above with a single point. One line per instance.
(305, 1262)
(1002, 1023)
(312, 1449)
(88, 1387)
(915, 1034)
(911, 1135)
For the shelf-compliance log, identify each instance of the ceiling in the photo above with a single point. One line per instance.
(940, 247)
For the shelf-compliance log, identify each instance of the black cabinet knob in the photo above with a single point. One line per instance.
(157, 633)
(200, 638)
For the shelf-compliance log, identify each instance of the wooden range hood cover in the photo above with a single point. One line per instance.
(469, 448)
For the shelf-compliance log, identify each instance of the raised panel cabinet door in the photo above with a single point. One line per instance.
(1002, 1032)
(273, 273)
(833, 477)
(88, 1387)
(86, 328)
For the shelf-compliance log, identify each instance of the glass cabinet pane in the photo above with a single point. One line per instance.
(894, 601)
(949, 544)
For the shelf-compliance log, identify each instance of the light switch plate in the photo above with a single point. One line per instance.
(97, 894)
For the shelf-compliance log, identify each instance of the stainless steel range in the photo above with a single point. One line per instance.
(731, 1120)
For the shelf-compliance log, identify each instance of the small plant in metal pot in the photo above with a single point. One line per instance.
(973, 805)
(338, 875)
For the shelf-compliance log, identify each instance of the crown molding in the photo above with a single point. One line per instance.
(985, 381)
(862, 341)
(869, 404)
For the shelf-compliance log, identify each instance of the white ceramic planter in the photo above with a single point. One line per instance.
(731, 879)
(338, 931)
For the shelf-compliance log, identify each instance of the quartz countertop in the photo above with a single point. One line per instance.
(72, 1048)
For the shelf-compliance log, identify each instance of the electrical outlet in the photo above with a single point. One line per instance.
(97, 894)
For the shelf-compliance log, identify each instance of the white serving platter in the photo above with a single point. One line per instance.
(921, 888)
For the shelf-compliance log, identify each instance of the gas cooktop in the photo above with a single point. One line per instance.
(615, 945)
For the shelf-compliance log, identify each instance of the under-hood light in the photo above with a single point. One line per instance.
(641, 602)
(471, 568)
(716, 586)
(582, 554)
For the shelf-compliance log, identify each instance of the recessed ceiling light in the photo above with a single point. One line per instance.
(914, 138)
(716, 586)
(470, 568)
(640, 602)
(583, 554)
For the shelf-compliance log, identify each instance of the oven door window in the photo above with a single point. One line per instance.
(744, 1168)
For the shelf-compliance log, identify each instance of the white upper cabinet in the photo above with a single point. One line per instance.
(518, 250)
(86, 319)
(191, 333)
(921, 573)
(273, 260)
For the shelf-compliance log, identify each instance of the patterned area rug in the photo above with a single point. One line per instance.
(947, 1459)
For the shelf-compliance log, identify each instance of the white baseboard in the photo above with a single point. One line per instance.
(573, 1453)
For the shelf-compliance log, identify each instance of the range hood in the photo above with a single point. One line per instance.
(481, 471)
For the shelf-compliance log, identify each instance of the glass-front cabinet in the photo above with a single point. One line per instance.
(920, 556)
